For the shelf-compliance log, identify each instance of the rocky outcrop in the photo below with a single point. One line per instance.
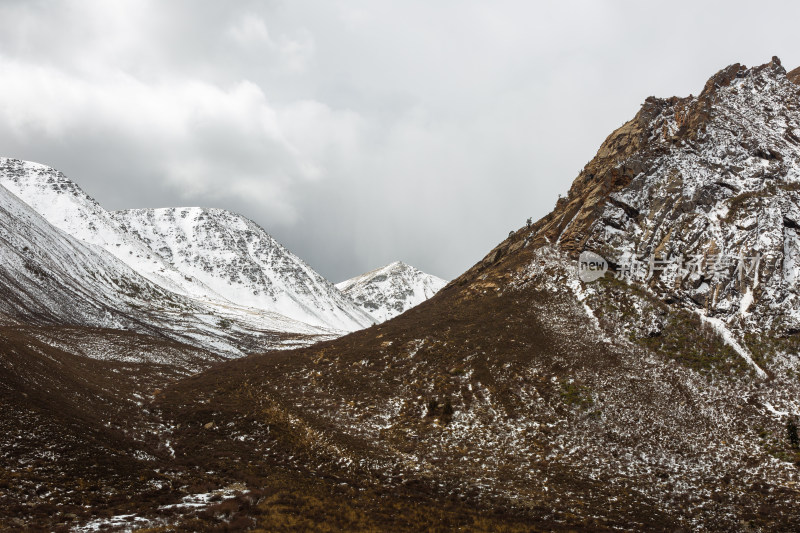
(794, 76)
(713, 176)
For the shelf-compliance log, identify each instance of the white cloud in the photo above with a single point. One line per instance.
(298, 52)
(251, 30)
(294, 53)
(203, 139)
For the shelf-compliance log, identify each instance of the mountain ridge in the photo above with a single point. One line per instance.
(242, 262)
(48, 277)
(65, 205)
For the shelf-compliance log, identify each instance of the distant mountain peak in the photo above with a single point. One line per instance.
(391, 290)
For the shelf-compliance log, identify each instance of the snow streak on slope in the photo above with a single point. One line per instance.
(389, 291)
(240, 261)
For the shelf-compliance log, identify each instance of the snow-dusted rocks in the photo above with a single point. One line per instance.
(717, 181)
(702, 185)
(391, 290)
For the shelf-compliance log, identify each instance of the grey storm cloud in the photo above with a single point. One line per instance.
(356, 132)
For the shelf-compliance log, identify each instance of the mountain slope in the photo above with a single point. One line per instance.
(391, 290)
(243, 263)
(638, 403)
(709, 186)
(794, 76)
(76, 431)
(50, 277)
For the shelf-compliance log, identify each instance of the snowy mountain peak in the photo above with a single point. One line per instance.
(66, 206)
(237, 259)
(391, 290)
(209, 255)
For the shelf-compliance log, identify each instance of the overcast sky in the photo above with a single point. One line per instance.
(355, 132)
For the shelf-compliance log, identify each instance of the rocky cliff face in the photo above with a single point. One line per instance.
(697, 199)
(391, 290)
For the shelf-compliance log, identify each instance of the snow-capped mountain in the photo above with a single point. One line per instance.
(240, 261)
(49, 277)
(391, 290)
(66, 206)
(250, 274)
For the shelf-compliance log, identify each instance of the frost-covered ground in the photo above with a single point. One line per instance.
(543, 398)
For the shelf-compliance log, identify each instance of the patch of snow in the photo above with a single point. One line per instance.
(720, 327)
